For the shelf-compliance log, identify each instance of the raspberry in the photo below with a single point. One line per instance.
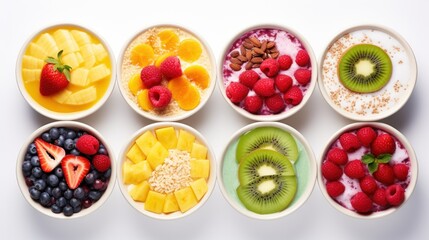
(151, 76)
(252, 104)
(349, 142)
(283, 82)
(331, 171)
(379, 197)
(101, 162)
(384, 174)
(400, 171)
(395, 195)
(248, 78)
(275, 103)
(171, 67)
(335, 188)
(368, 185)
(361, 202)
(337, 156)
(302, 58)
(366, 135)
(236, 92)
(355, 169)
(293, 96)
(159, 96)
(87, 144)
(285, 61)
(264, 87)
(270, 67)
(383, 144)
(303, 76)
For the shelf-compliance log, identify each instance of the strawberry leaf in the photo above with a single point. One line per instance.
(51, 60)
(66, 72)
(372, 167)
(384, 158)
(368, 158)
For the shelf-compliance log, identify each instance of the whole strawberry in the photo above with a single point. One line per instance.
(55, 76)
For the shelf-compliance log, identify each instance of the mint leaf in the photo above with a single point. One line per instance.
(372, 167)
(368, 158)
(384, 158)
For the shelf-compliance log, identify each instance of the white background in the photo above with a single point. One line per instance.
(217, 21)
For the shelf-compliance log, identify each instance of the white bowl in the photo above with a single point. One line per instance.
(283, 114)
(396, 134)
(305, 169)
(382, 103)
(182, 114)
(139, 206)
(71, 115)
(73, 125)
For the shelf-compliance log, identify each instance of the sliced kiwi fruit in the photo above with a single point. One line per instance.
(263, 162)
(267, 138)
(365, 68)
(268, 194)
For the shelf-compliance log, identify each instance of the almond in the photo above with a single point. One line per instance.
(242, 50)
(242, 58)
(257, 60)
(258, 51)
(235, 67)
(248, 65)
(270, 44)
(256, 65)
(274, 55)
(248, 45)
(264, 46)
(248, 55)
(235, 54)
(255, 41)
(236, 61)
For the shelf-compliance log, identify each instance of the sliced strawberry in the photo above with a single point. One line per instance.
(49, 155)
(75, 169)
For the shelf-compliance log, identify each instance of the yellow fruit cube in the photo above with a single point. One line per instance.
(155, 202)
(186, 199)
(62, 96)
(140, 191)
(198, 151)
(83, 96)
(135, 154)
(136, 173)
(72, 60)
(31, 75)
(135, 84)
(170, 204)
(99, 52)
(199, 187)
(65, 41)
(157, 155)
(167, 136)
(98, 73)
(146, 142)
(30, 62)
(88, 55)
(81, 38)
(185, 141)
(48, 44)
(79, 77)
(143, 100)
(200, 168)
(36, 51)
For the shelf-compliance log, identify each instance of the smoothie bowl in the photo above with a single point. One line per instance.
(367, 170)
(267, 73)
(267, 170)
(65, 71)
(66, 169)
(367, 73)
(166, 73)
(167, 170)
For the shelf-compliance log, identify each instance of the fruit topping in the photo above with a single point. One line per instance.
(199, 75)
(264, 87)
(171, 68)
(293, 96)
(302, 58)
(331, 171)
(368, 185)
(236, 92)
(383, 144)
(361, 203)
(169, 39)
(384, 174)
(337, 156)
(303, 76)
(248, 78)
(190, 100)
(395, 195)
(142, 55)
(349, 142)
(366, 135)
(400, 171)
(379, 197)
(275, 103)
(101, 162)
(335, 188)
(283, 82)
(55, 75)
(159, 96)
(270, 67)
(49, 155)
(355, 169)
(253, 104)
(189, 50)
(143, 100)
(135, 84)
(87, 144)
(285, 61)
(150, 76)
(75, 169)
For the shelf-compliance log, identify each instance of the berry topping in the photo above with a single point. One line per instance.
(87, 144)
(49, 155)
(361, 202)
(285, 61)
(293, 96)
(384, 174)
(275, 103)
(331, 171)
(400, 171)
(283, 82)
(248, 78)
(55, 76)
(379, 197)
(355, 169)
(366, 135)
(75, 169)
(337, 156)
(349, 142)
(236, 92)
(159, 96)
(270, 67)
(335, 188)
(171, 67)
(253, 104)
(150, 76)
(395, 195)
(302, 58)
(368, 185)
(264, 87)
(383, 144)
(303, 76)
(101, 162)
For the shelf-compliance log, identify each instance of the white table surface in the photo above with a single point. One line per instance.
(217, 22)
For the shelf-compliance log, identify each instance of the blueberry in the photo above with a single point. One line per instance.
(102, 150)
(77, 209)
(79, 193)
(45, 198)
(27, 157)
(89, 178)
(29, 181)
(108, 173)
(68, 144)
(54, 133)
(26, 166)
(62, 131)
(35, 162)
(74, 202)
(80, 133)
(61, 202)
(71, 134)
(60, 141)
(48, 190)
(53, 180)
(26, 173)
(87, 203)
(36, 172)
(56, 192)
(98, 184)
(94, 195)
(34, 193)
(75, 152)
(56, 209)
(40, 184)
(95, 173)
(32, 149)
(68, 210)
(68, 194)
(63, 186)
(58, 172)
(46, 137)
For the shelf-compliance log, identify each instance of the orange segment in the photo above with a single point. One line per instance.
(169, 39)
(199, 75)
(142, 55)
(135, 84)
(143, 100)
(179, 87)
(161, 58)
(189, 50)
(190, 99)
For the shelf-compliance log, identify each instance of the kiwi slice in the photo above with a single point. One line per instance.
(267, 138)
(268, 194)
(364, 68)
(263, 162)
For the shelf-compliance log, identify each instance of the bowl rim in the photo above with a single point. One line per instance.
(56, 115)
(311, 175)
(412, 78)
(186, 114)
(21, 180)
(211, 182)
(401, 138)
(285, 114)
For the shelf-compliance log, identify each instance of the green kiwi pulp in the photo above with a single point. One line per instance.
(267, 138)
(364, 68)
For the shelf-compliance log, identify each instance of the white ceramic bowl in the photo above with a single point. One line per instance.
(396, 134)
(305, 169)
(139, 206)
(368, 106)
(208, 60)
(70, 115)
(310, 87)
(73, 125)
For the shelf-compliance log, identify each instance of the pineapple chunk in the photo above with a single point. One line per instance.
(170, 204)
(79, 77)
(81, 38)
(127, 172)
(65, 41)
(157, 155)
(48, 44)
(72, 60)
(185, 199)
(199, 187)
(136, 173)
(30, 62)
(83, 96)
(167, 136)
(185, 141)
(140, 191)
(31, 75)
(36, 51)
(155, 202)
(62, 96)
(200, 168)
(135, 154)
(99, 51)
(146, 142)
(98, 72)
(198, 151)
(88, 55)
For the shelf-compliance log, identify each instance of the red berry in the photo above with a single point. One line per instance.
(383, 144)
(303, 76)
(253, 104)
(293, 96)
(361, 202)
(264, 87)
(87, 144)
(151, 76)
(379, 197)
(55, 76)
(400, 171)
(349, 142)
(384, 174)
(355, 169)
(337, 156)
(335, 188)
(171, 67)
(101, 162)
(302, 58)
(236, 92)
(248, 78)
(159, 96)
(285, 61)
(275, 103)
(368, 185)
(331, 171)
(270, 67)
(366, 135)
(395, 195)
(283, 82)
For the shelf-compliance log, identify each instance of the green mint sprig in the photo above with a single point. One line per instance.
(372, 161)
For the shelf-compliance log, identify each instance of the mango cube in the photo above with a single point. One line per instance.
(155, 202)
(199, 187)
(146, 142)
(167, 136)
(170, 204)
(185, 141)
(135, 154)
(200, 168)
(136, 173)
(186, 199)
(140, 191)
(198, 151)
(157, 155)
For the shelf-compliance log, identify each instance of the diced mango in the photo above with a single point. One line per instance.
(99, 51)
(170, 204)
(31, 75)
(190, 99)
(146, 141)
(185, 141)
(83, 96)
(199, 75)
(142, 55)
(135, 154)
(135, 84)
(136, 173)
(30, 62)
(161, 58)
(140, 191)
(157, 155)
(200, 168)
(98, 73)
(186, 199)
(199, 187)
(79, 77)
(155, 202)
(189, 50)
(198, 151)
(167, 137)
(169, 39)
(36, 51)
(127, 172)
(179, 87)
(62, 96)
(143, 100)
